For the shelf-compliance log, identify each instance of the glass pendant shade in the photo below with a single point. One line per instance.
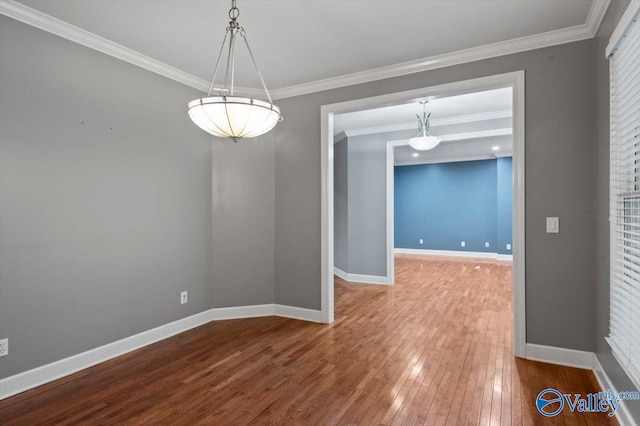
(233, 117)
(424, 140)
(227, 115)
(424, 143)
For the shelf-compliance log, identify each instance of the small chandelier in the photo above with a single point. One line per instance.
(226, 115)
(424, 141)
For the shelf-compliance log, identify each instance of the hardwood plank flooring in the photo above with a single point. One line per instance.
(434, 349)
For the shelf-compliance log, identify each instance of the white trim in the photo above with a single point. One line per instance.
(47, 373)
(519, 216)
(470, 118)
(238, 312)
(458, 159)
(362, 279)
(326, 215)
(596, 15)
(53, 25)
(629, 15)
(502, 154)
(294, 312)
(340, 273)
(48, 23)
(64, 367)
(507, 47)
(560, 356)
(455, 253)
(390, 208)
(504, 257)
(514, 79)
(340, 137)
(460, 119)
(477, 134)
(623, 415)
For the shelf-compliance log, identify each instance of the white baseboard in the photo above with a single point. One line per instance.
(455, 253)
(238, 312)
(298, 313)
(504, 257)
(560, 356)
(358, 278)
(340, 273)
(622, 414)
(47, 373)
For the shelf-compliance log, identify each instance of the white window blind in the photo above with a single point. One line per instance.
(624, 333)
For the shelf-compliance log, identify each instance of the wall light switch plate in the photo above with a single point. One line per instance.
(463, 244)
(184, 297)
(553, 225)
(4, 347)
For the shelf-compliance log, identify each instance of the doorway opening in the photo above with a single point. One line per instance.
(511, 82)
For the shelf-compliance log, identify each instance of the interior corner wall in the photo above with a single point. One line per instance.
(243, 197)
(559, 163)
(367, 242)
(105, 190)
(601, 153)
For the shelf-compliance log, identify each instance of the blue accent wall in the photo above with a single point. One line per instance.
(447, 203)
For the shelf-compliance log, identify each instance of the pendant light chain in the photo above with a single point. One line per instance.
(255, 65)
(234, 28)
(215, 71)
(228, 115)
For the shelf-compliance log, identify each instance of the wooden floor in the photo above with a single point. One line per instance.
(433, 349)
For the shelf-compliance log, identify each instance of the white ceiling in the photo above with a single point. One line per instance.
(474, 115)
(307, 40)
(443, 108)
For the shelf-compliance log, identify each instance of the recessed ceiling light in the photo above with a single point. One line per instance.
(495, 148)
(415, 154)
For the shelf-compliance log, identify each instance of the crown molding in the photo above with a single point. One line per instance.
(454, 159)
(507, 131)
(48, 23)
(623, 25)
(502, 154)
(477, 134)
(507, 47)
(436, 122)
(596, 15)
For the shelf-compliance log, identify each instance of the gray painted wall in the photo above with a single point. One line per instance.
(243, 222)
(341, 205)
(602, 349)
(559, 165)
(107, 203)
(367, 202)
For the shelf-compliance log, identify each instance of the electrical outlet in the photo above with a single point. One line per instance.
(184, 297)
(486, 244)
(4, 347)
(421, 241)
(463, 244)
(508, 246)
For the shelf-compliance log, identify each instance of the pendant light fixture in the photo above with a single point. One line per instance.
(424, 141)
(227, 115)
